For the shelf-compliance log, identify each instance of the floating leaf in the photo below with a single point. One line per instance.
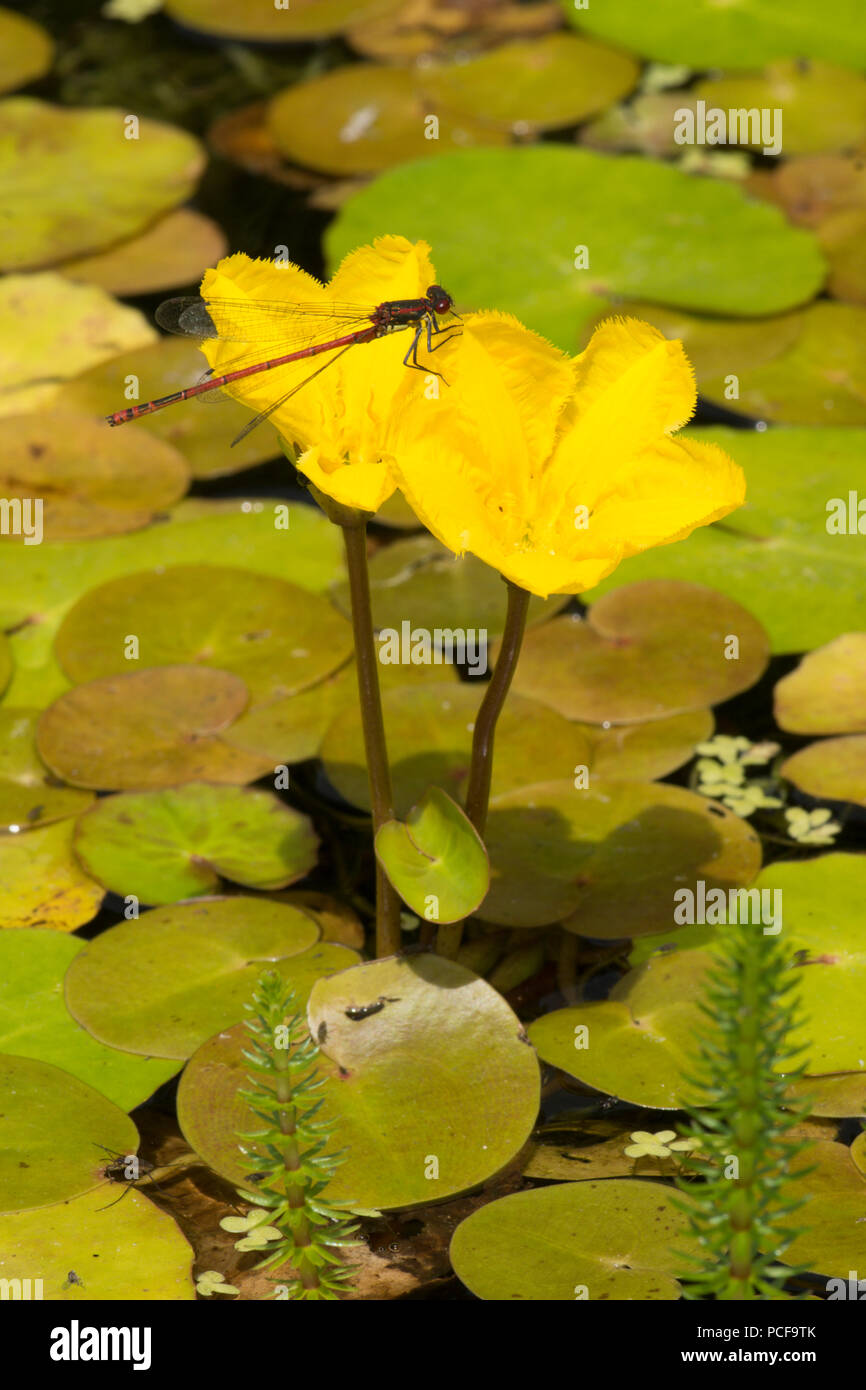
(278, 638)
(643, 752)
(164, 846)
(701, 243)
(162, 985)
(90, 481)
(48, 1131)
(41, 882)
(363, 118)
(440, 1032)
(839, 1096)
(29, 796)
(607, 861)
(830, 1223)
(824, 107)
(35, 1022)
(798, 580)
(175, 250)
(287, 729)
(149, 729)
(77, 1236)
(51, 329)
(296, 23)
(832, 770)
(619, 1239)
(536, 84)
(743, 35)
(39, 584)
(5, 663)
(646, 651)
(26, 50)
(827, 692)
(435, 859)
(430, 731)
(132, 173)
(202, 435)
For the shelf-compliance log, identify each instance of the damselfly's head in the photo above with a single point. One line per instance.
(440, 300)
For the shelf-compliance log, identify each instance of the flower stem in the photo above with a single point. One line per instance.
(381, 796)
(450, 934)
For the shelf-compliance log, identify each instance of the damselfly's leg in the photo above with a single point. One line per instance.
(411, 358)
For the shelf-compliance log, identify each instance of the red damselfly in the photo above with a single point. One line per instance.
(321, 328)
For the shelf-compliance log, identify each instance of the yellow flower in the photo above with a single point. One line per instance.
(341, 418)
(554, 470)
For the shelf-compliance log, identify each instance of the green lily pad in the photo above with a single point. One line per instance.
(202, 435)
(419, 581)
(50, 1125)
(29, 795)
(365, 117)
(802, 583)
(639, 1043)
(39, 584)
(34, 1020)
(26, 50)
(619, 1238)
(858, 1152)
(813, 188)
(5, 663)
(296, 23)
(827, 692)
(441, 1033)
(435, 859)
(806, 368)
(832, 770)
(90, 482)
(837, 1096)
(76, 1235)
(701, 244)
(52, 329)
(177, 249)
(135, 169)
(741, 35)
(41, 882)
(643, 752)
(607, 861)
(149, 729)
(824, 106)
(646, 651)
(288, 729)
(841, 240)
(533, 84)
(429, 730)
(835, 1192)
(167, 845)
(278, 638)
(163, 985)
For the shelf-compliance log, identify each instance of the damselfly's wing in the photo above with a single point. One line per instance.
(261, 321)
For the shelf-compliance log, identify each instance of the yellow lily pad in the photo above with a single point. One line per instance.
(52, 329)
(149, 729)
(645, 651)
(840, 1096)
(533, 84)
(29, 795)
(298, 22)
(89, 481)
(364, 117)
(49, 1127)
(620, 1239)
(35, 1022)
(831, 1221)
(203, 435)
(177, 249)
(173, 844)
(832, 770)
(278, 638)
(827, 692)
(288, 729)
(429, 731)
(130, 170)
(26, 50)
(77, 1236)
(823, 105)
(643, 752)
(42, 884)
(607, 861)
(163, 985)
(439, 1032)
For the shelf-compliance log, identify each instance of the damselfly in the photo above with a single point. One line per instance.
(306, 330)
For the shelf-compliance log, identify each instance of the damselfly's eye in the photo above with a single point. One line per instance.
(439, 298)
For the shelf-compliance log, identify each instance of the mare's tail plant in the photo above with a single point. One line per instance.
(293, 1224)
(740, 1128)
